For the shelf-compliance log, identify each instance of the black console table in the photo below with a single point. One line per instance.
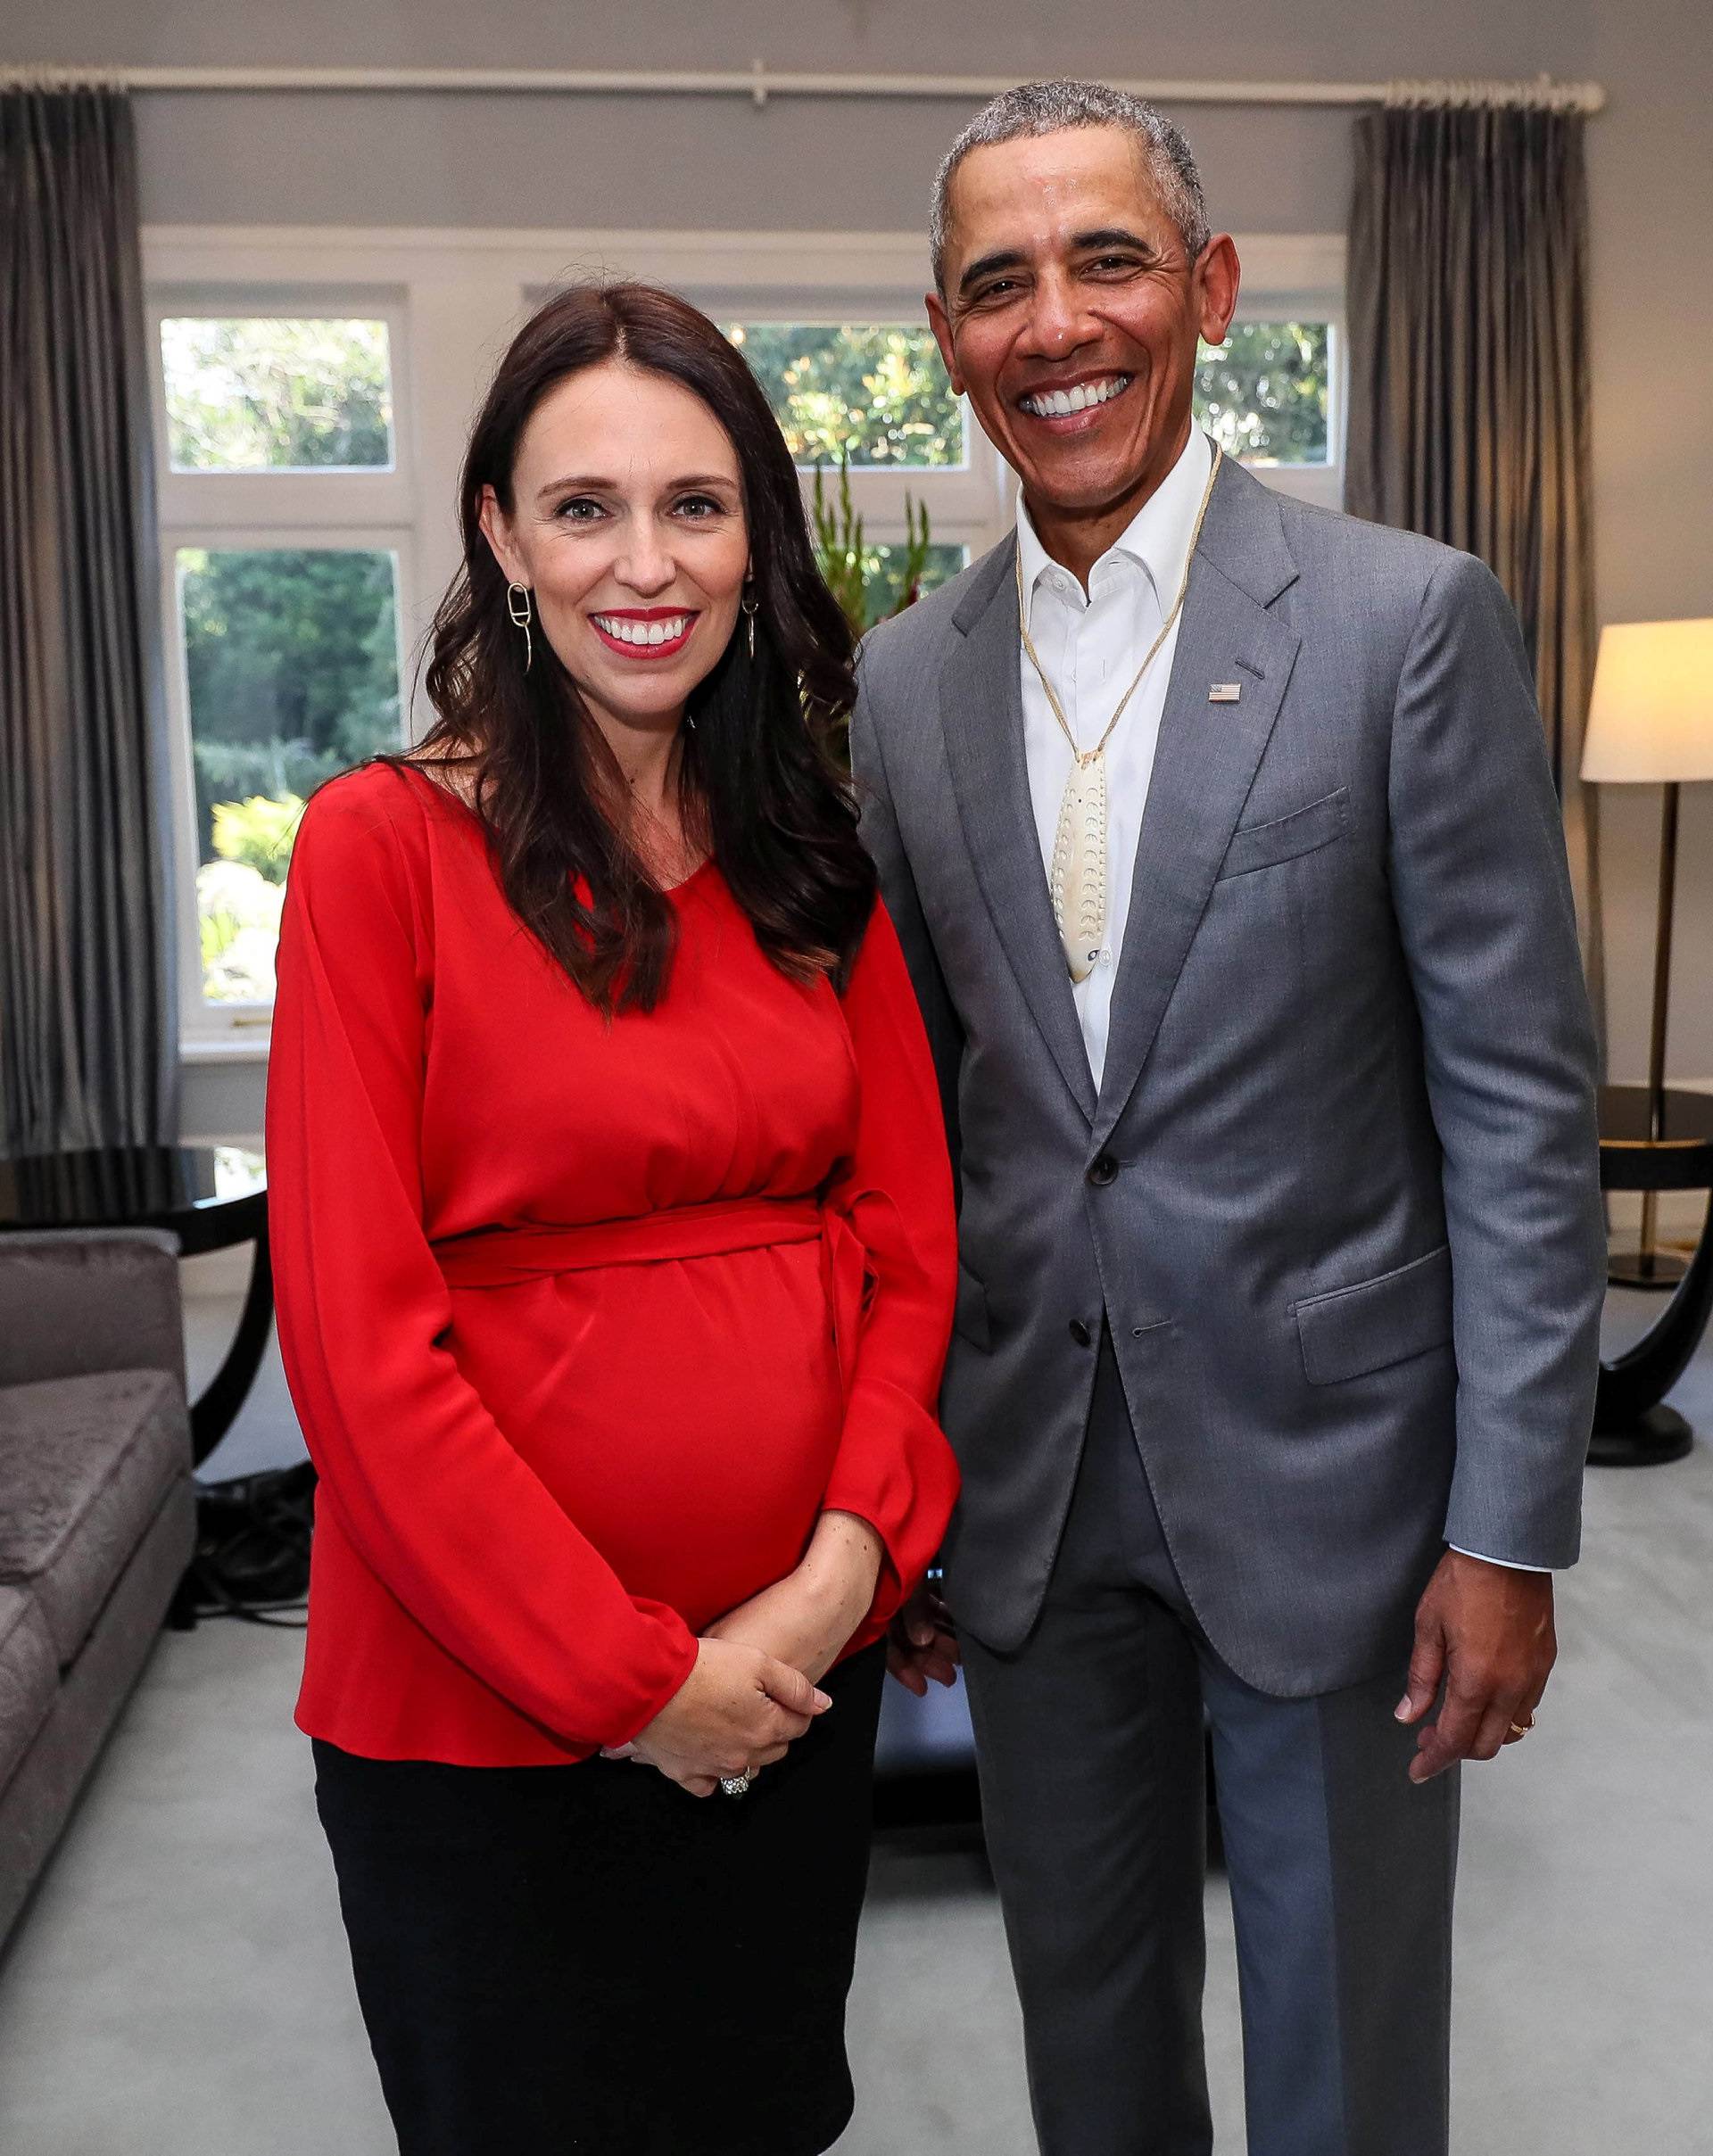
(208, 1196)
(1632, 1426)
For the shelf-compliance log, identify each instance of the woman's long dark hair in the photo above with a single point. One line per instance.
(756, 777)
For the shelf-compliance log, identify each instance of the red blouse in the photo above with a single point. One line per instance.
(585, 1320)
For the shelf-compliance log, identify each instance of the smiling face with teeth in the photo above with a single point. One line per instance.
(1070, 318)
(627, 524)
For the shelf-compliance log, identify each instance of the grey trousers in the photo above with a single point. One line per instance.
(1090, 1748)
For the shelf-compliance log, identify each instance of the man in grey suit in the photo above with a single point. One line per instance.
(1219, 834)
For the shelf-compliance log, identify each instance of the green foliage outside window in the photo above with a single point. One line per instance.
(239, 896)
(885, 567)
(1263, 393)
(874, 393)
(869, 582)
(292, 664)
(275, 394)
(292, 660)
(258, 832)
(877, 395)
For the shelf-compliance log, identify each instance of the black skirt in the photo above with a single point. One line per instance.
(586, 1958)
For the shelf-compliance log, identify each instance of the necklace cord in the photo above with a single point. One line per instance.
(1087, 756)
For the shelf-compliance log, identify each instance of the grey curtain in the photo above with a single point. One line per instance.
(1468, 384)
(89, 1034)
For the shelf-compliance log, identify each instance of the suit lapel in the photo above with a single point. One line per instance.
(982, 716)
(1204, 766)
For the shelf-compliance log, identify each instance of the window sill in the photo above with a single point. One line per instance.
(249, 1047)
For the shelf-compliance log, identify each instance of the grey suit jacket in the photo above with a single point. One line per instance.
(1338, 1195)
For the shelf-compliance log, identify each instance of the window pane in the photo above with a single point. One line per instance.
(292, 660)
(875, 392)
(1263, 393)
(267, 395)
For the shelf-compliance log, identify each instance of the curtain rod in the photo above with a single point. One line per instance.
(760, 83)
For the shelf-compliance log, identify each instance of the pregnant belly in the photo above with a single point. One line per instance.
(686, 1414)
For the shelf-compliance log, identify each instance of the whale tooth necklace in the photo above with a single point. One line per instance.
(1078, 877)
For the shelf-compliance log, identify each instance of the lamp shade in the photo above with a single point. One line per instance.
(1651, 716)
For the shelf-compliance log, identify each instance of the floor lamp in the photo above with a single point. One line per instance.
(1650, 723)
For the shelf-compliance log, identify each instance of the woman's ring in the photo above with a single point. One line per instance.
(734, 1785)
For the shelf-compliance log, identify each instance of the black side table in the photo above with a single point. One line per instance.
(1632, 1427)
(209, 1196)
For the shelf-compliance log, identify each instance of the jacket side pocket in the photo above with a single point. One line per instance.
(1349, 1331)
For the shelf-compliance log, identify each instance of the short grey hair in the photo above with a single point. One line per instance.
(1046, 108)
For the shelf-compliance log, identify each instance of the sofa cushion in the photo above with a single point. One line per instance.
(29, 1677)
(84, 1465)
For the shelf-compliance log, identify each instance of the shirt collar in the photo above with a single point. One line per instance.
(1157, 537)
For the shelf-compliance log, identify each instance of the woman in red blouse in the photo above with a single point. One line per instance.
(613, 1236)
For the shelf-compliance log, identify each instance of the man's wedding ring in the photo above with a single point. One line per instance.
(1521, 1729)
(734, 1785)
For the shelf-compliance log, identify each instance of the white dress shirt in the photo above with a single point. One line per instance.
(1091, 644)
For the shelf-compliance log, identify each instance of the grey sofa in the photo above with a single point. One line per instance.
(97, 1509)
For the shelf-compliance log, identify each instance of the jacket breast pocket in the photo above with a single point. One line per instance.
(1260, 846)
(1350, 1330)
(970, 1321)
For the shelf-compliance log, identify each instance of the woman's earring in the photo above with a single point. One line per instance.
(749, 607)
(517, 606)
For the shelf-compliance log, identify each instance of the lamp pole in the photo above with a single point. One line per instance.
(1650, 724)
(1650, 1266)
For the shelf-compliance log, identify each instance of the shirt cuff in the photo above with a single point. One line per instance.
(1509, 1564)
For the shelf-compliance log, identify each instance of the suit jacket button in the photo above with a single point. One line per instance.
(1080, 1333)
(1103, 1171)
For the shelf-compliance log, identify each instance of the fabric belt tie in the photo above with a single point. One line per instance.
(507, 1257)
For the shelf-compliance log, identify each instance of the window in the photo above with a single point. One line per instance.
(874, 393)
(887, 453)
(1265, 394)
(291, 670)
(281, 475)
(1272, 395)
(277, 395)
(314, 388)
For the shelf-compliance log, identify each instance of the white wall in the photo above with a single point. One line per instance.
(830, 165)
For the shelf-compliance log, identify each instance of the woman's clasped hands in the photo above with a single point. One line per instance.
(752, 1692)
(739, 1709)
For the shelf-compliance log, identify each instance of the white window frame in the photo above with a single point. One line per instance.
(452, 300)
(377, 492)
(208, 1027)
(1300, 278)
(357, 510)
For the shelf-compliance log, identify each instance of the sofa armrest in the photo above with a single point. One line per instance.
(75, 1301)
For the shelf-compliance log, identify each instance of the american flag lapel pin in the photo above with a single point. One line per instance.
(1224, 692)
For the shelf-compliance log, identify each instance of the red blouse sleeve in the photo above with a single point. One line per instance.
(895, 1467)
(436, 1501)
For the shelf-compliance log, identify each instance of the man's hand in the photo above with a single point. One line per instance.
(1485, 1631)
(921, 1644)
